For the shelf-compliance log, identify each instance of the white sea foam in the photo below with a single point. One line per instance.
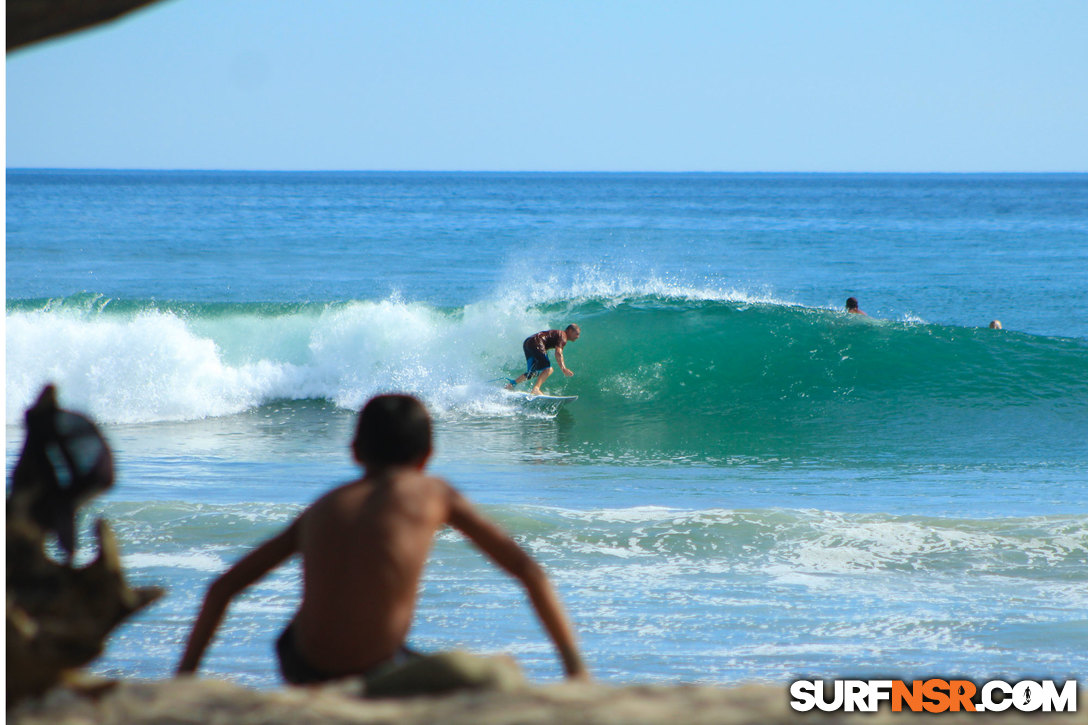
(161, 366)
(195, 560)
(811, 547)
(149, 367)
(596, 283)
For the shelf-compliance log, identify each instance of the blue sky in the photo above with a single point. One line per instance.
(770, 85)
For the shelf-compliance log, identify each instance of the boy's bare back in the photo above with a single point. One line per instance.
(364, 546)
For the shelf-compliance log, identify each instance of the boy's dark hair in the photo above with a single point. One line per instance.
(851, 303)
(392, 429)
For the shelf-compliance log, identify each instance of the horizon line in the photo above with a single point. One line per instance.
(527, 171)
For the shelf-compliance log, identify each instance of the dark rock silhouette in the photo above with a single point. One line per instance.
(64, 463)
(58, 616)
(29, 21)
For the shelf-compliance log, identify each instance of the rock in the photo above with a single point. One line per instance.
(58, 616)
(30, 21)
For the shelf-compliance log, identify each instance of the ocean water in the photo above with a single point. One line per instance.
(752, 485)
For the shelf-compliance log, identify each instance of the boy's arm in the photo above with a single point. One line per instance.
(505, 552)
(249, 569)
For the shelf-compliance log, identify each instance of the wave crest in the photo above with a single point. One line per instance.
(660, 371)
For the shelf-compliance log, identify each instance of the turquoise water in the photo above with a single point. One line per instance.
(752, 485)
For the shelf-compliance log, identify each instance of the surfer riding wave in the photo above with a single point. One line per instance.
(537, 362)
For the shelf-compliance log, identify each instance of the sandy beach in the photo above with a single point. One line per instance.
(210, 702)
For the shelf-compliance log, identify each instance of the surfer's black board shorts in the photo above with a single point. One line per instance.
(535, 360)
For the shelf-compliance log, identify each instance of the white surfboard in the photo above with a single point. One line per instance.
(541, 402)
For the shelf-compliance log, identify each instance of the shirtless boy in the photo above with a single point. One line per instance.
(537, 363)
(364, 546)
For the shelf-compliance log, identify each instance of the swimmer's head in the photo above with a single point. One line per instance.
(995, 325)
(392, 430)
(851, 303)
